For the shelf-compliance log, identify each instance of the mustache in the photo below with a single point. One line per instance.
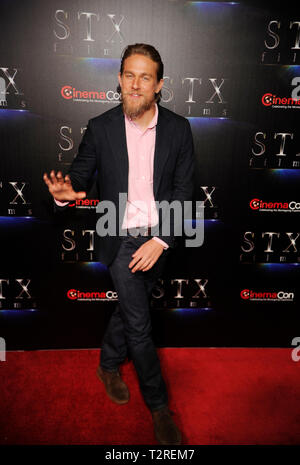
(131, 93)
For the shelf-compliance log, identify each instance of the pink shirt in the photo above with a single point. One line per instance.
(140, 208)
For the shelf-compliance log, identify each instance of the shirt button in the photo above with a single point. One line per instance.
(143, 177)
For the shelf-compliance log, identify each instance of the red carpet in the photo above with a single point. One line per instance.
(219, 396)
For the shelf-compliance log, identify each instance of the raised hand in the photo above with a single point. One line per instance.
(61, 188)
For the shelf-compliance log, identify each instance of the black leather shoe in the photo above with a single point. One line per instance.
(115, 387)
(165, 430)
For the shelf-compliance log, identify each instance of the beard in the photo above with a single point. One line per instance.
(136, 109)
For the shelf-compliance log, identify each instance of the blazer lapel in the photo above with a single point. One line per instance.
(117, 138)
(162, 148)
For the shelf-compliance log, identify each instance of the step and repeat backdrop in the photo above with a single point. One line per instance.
(232, 69)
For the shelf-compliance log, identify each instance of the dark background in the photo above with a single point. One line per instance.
(225, 45)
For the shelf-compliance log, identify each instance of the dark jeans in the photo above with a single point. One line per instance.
(129, 329)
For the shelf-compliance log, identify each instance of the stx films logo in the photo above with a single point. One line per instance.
(16, 294)
(78, 245)
(181, 293)
(207, 195)
(270, 247)
(68, 143)
(11, 96)
(282, 42)
(197, 96)
(266, 296)
(15, 198)
(275, 150)
(88, 33)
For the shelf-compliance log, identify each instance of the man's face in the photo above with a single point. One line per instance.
(138, 85)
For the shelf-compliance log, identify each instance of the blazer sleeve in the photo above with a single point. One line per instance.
(84, 164)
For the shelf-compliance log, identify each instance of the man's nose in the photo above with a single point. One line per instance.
(135, 83)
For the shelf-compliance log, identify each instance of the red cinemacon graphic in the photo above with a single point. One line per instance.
(69, 92)
(269, 99)
(75, 294)
(271, 296)
(259, 204)
(84, 203)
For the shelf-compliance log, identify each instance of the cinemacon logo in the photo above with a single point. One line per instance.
(71, 93)
(281, 296)
(271, 99)
(84, 203)
(74, 294)
(258, 204)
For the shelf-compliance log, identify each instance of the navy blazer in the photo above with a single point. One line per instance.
(103, 149)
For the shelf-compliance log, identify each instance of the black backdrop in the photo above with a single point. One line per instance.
(233, 69)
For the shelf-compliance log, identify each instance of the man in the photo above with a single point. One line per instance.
(145, 151)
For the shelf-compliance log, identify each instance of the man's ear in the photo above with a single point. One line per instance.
(159, 86)
(120, 79)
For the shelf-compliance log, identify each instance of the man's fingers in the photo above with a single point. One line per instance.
(139, 263)
(148, 267)
(144, 263)
(142, 266)
(60, 177)
(137, 257)
(135, 263)
(62, 187)
(80, 195)
(46, 179)
(53, 177)
(145, 256)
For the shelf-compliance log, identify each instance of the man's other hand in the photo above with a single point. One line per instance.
(146, 256)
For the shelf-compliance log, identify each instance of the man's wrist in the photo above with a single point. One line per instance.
(161, 242)
(60, 203)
